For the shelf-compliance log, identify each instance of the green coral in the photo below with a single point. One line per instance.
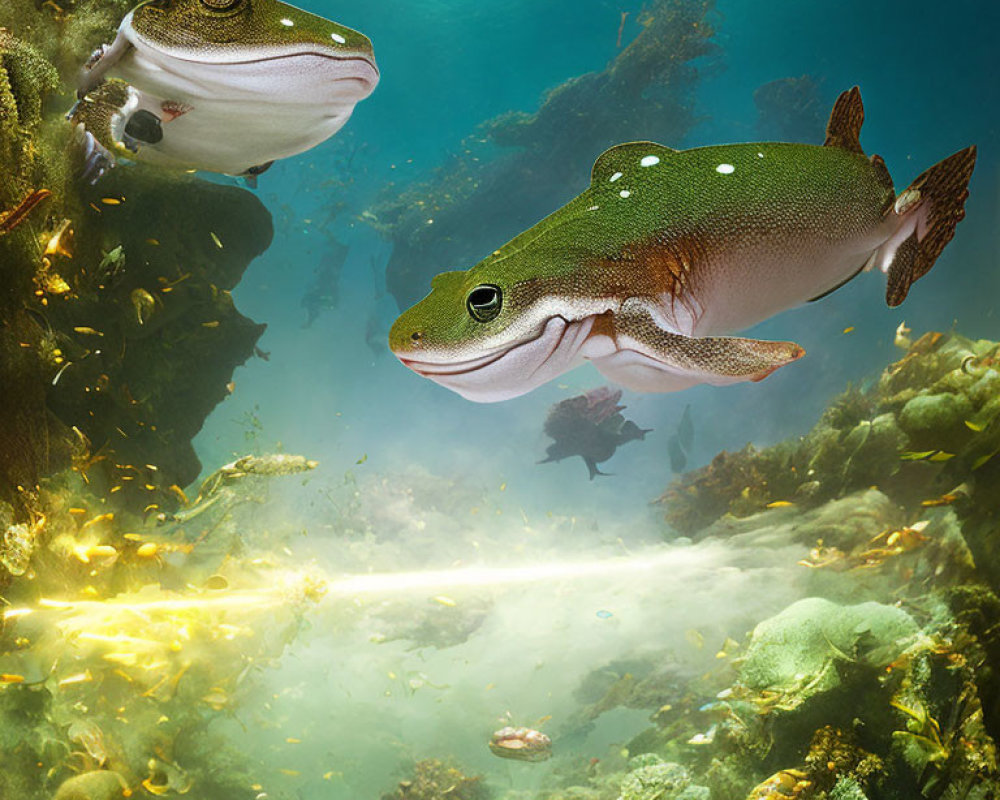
(797, 648)
(847, 789)
(27, 79)
(663, 780)
(933, 414)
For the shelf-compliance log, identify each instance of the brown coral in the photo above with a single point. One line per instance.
(434, 780)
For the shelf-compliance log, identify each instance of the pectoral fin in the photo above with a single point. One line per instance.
(650, 359)
(101, 61)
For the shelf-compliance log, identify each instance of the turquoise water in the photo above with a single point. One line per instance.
(919, 108)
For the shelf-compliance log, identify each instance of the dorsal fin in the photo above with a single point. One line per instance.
(844, 128)
(625, 157)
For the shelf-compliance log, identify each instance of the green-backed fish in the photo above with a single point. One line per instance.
(222, 85)
(669, 250)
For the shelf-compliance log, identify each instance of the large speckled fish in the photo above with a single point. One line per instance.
(220, 85)
(668, 250)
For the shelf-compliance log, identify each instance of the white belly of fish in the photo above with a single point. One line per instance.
(245, 114)
(738, 289)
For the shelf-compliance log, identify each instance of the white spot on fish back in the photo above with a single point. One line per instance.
(615, 177)
(287, 22)
(760, 155)
(624, 193)
(725, 169)
(649, 161)
(338, 38)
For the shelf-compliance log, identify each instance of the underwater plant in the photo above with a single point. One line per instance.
(434, 780)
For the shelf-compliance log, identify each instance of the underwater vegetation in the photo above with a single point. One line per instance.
(880, 684)
(516, 168)
(121, 690)
(433, 780)
(117, 331)
(924, 432)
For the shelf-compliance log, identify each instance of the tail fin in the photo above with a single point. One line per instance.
(926, 213)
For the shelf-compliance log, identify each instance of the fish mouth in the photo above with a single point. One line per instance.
(351, 67)
(431, 369)
(313, 76)
(512, 369)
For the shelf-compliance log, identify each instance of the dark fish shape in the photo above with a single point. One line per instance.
(678, 458)
(685, 430)
(324, 291)
(590, 426)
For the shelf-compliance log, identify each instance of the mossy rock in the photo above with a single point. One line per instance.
(163, 366)
(661, 781)
(96, 785)
(795, 650)
(937, 421)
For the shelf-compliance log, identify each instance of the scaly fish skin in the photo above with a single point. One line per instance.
(667, 251)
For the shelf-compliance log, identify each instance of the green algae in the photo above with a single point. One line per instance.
(661, 781)
(97, 785)
(798, 648)
(929, 423)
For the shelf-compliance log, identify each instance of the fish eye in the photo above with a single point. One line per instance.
(484, 302)
(221, 5)
(144, 126)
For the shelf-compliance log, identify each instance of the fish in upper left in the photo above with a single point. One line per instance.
(224, 86)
